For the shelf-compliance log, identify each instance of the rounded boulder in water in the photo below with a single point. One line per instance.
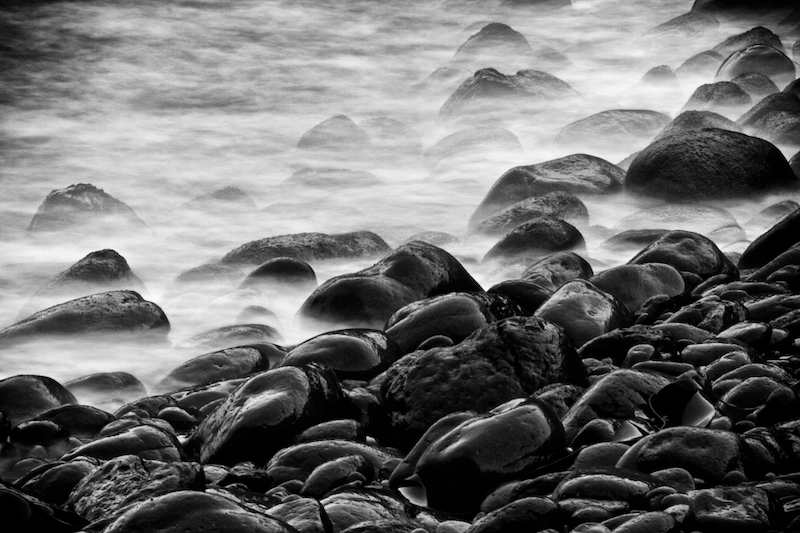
(709, 164)
(556, 269)
(507, 359)
(536, 238)
(721, 96)
(463, 466)
(584, 311)
(24, 397)
(687, 252)
(634, 284)
(351, 353)
(559, 204)
(608, 129)
(282, 271)
(338, 132)
(230, 363)
(758, 58)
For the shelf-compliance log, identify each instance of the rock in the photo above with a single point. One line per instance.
(83, 422)
(455, 315)
(504, 360)
(230, 363)
(518, 517)
(54, 482)
(22, 512)
(731, 509)
(652, 522)
(469, 142)
(308, 247)
(463, 466)
(298, 462)
(332, 474)
(697, 120)
(660, 76)
(558, 268)
(636, 238)
(336, 133)
(23, 397)
(200, 512)
(503, 47)
(392, 135)
(617, 395)
(741, 7)
(145, 441)
(576, 174)
(689, 24)
(775, 118)
(343, 429)
(584, 311)
(266, 412)
(707, 163)
(233, 335)
(333, 178)
(708, 454)
(775, 241)
(704, 219)
(368, 510)
(761, 59)
(718, 96)
(436, 238)
(105, 312)
(525, 294)
(754, 36)
(704, 64)
(304, 514)
(224, 199)
(81, 206)
(559, 204)
(368, 298)
(536, 238)
(107, 387)
(710, 313)
(632, 285)
(127, 480)
(609, 128)
(488, 87)
(282, 272)
(755, 84)
(351, 353)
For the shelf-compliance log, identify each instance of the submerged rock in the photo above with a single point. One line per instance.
(230, 197)
(338, 132)
(687, 252)
(697, 120)
(535, 238)
(719, 96)
(758, 58)
(609, 128)
(282, 271)
(559, 204)
(332, 178)
(82, 205)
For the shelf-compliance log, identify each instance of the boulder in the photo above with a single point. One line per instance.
(536, 238)
(281, 272)
(338, 132)
(105, 312)
(23, 397)
(704, 64)
(351, 353)
(80, 207)
(776, 118)
(221, 365)
(107, 387)
(224, 199)
(562, 205)
(469, 142)
(488, 88)
(308, 247)
(147, 441)
(719, 96)
(505, 48)
(697, 120)
(576, 174)
(755, 84)
(635, 284)
(508, 359)
(753, 36)
(769, 245)
(368, 298)
(233, 335)
(758, 58)
(709, 163)
(610, 128)
(558, 268)
(687, 252)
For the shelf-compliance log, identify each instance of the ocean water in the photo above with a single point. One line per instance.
(159, 102)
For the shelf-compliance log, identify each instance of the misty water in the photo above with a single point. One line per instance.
(159, 102)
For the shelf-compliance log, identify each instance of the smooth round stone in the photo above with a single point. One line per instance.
(705, 354)
(601, 455)
(654, 522)
(23, 397)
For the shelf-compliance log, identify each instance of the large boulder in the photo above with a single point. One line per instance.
(769, 245)
(558, 204)
(753, 36)
(230, 363)
(756, 84)
(704, 219)
(776, 118)
(719, 96)
(368, 298)
(701, 65)
(688, 252)
(24, 397)
(504, 48)
(709, 163)
(635, 284)
(576, 174)
(558, 268)
(265, 413)
(758, 58)
(508, 359)
(489, 88)
(308, 247)
(80, 207)
(584, 311)
(697, 120)
(105, 312)
(612, 127)
(536, 238)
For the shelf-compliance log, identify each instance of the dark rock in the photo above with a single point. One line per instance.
(576, 174)
(145, 441)
(559, 204)
(755, 84)
(344, 429)
(584, 311)
(741, 7)
(282, 271)
(688, 24)
(328, 476)
(82, 205)
(757, 35)
(367, 510)
(54, 483)
(731, 509)
(336, 133)
(308, 247)
(697, 120)
(775, 118)
(704, 219)
(266, 412)
(334, 178)
(634, 284)
(500, 45)
(608, 128)
(351, 353)
(556, 269)
(127, 480)
(463, 466)
(527, 295)
(687, 252)
(504, 360)
(105, 312)
(718, 96)
(488, 86)
(107, 387)
(24, 397)
(299, 461)
(230, 363)
(200, 512)
(636, 238)
(710, 313)
(22, 512)
(536, 238)
(81, 421)
(761, 59)
(775, 241)
(233, 335)
(519, 517)
(306, 515)
(708, 454)
(368, 298)
(699, 164)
